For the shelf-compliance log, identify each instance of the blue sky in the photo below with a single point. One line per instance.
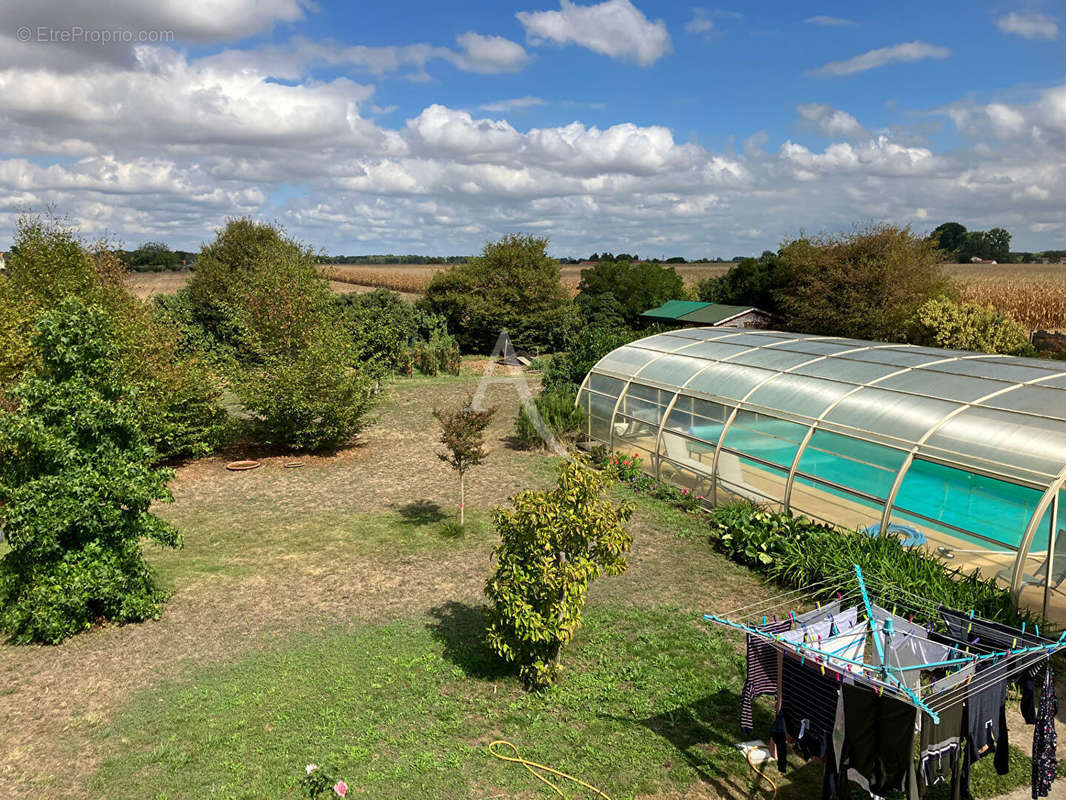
(653, 127)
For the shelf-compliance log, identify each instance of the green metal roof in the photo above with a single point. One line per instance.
(691, 311)
(713, 313)
(674, 309)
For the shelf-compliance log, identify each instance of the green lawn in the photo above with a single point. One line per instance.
(320, 615)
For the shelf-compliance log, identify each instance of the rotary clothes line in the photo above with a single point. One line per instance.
(874, 667)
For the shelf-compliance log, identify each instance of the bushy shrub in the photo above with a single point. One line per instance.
(310, 401)
(438, 355)
(564, 372)
(968, 326)
(76, 484)
(381, 327)
(558, 413)
(867, 284)
(796, 552)
(553, 544)
(636, 287)
(512, 285)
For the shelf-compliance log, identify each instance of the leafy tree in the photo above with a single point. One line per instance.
(553, 544)
(307, 400)
(968, 326)
(513, 284)
(867, 284)
(463, 433)
(950, 237)
(601, 309)
(976, 245)
(154, 254)
(178, 396)
(751, 282)
(637, 287)
(257, 292)
(76, 484)
(999, 245)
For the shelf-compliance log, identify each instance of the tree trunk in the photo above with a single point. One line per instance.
(462, 499)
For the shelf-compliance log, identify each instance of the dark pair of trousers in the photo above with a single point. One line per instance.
(878, 741)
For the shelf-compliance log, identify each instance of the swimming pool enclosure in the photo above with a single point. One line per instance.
(962, 453)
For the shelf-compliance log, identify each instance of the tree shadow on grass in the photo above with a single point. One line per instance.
(461, 629)
(420, 513)
(706, 733)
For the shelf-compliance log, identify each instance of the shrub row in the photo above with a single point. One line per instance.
(797, 552)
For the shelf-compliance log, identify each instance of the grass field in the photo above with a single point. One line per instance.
(320, 615)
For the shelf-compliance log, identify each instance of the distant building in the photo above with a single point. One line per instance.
(713, 315)
(976, 260)
(3, 264)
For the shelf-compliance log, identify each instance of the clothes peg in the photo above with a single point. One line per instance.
(763, 619)
(775, 617)
(910, 618)
(1023, 626)
(818, 605)
(823, 669)
(1014, 643)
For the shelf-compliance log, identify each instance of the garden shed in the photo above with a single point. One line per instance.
(962, 453)
(718, 315)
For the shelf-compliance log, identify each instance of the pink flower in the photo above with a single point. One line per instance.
(341, 788)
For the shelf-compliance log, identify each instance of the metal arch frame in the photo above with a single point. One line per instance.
(904, 468)
(1027, 540)
(740, 403)
(629, 382)
(821, 417)
(1047, 498)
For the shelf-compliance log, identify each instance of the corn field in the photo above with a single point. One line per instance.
(1034, 297)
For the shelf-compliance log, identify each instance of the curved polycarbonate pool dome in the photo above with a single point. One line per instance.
(963, 453)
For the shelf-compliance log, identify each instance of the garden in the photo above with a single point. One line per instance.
(368, 610)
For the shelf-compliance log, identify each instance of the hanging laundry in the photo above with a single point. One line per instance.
(1045, 738)
(761, 677)
(821, 627)
(940, 746)
(850, 646)
(879, 740)
(808, 710)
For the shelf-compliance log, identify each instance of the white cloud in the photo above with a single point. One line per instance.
(489, 53)
(879, 156)
(829, 121)
(614, 28)
(514, 104)
(167, 145)
(1029, 26)
(700, 22)
(831, 22)
(904, 52)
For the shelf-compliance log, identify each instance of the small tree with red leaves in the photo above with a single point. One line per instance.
(463, 433)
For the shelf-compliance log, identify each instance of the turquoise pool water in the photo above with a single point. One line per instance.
(991, 508)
